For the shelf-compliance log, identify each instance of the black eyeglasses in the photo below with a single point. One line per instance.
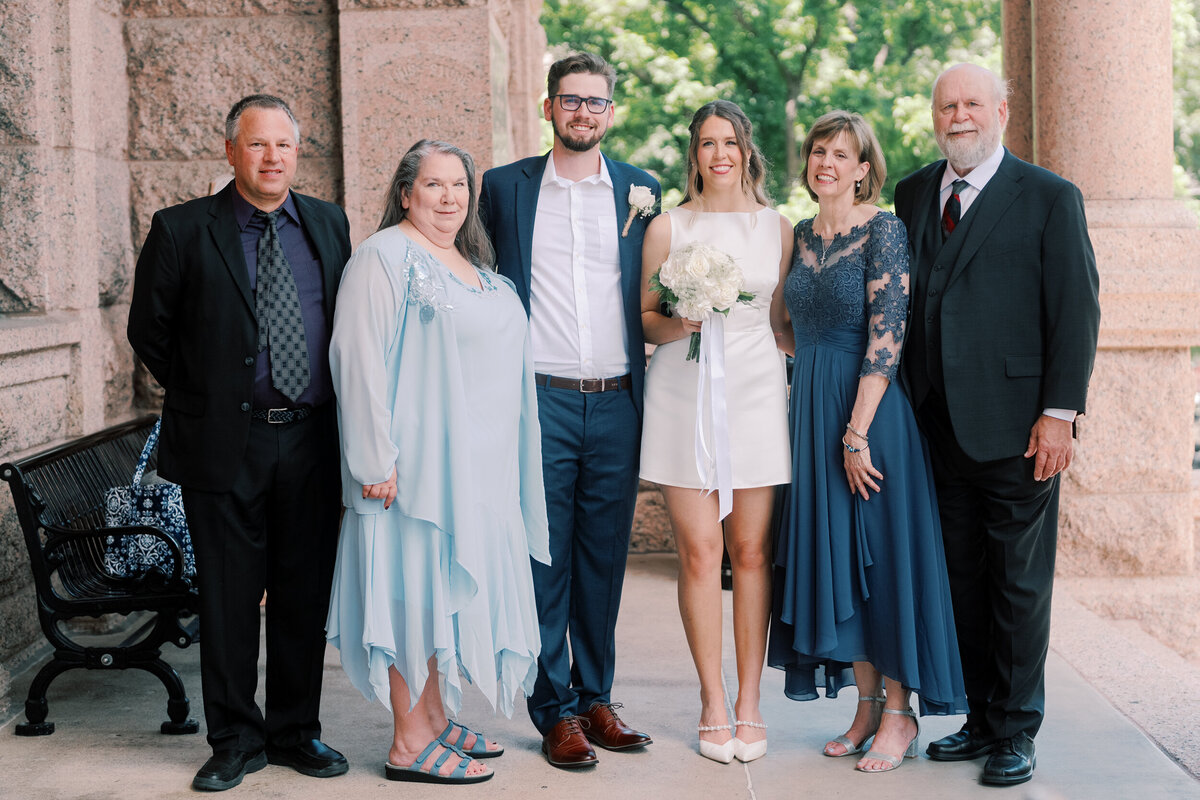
(571, 102)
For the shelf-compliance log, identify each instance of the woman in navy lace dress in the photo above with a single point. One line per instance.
(860, 571)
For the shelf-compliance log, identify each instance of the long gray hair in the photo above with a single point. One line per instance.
(471, 240)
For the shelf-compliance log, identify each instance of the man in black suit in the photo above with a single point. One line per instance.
(1005, 316)
(231, 312)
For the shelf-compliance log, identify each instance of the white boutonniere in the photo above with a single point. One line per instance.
(641, 204)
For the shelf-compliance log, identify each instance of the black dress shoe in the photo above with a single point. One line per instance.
(310, 758)
(1011, 762)
(966, 744)
(226, 770)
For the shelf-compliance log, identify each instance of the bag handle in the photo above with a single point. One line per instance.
(151, 441)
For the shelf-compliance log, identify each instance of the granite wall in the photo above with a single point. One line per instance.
(112, 109)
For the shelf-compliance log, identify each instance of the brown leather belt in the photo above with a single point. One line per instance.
(585, 385)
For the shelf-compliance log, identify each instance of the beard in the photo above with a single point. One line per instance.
(577, 143)
(967, 154)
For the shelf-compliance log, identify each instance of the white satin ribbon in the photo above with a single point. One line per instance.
(714, 463)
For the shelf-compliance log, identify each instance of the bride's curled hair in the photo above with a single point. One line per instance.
(754, 171)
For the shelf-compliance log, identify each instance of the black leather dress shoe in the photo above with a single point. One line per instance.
(1011, 762)
(226, 770)
(310, 758)
(964, 745)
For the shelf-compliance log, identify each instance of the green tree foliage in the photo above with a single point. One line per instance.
(785, 62)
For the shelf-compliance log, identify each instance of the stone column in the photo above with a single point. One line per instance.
(1102, 115)
(444, 70)
(1018, 71)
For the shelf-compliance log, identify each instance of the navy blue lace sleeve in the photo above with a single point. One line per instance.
(886, 278)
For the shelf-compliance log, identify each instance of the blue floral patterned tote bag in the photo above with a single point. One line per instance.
(155, 504)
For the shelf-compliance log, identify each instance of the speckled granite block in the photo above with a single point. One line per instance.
(1129, 441)
(175, 9)
(25, 48)
(22, 287)
(404, 77)
(186, 73)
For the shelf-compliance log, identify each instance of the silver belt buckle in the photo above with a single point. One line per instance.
(271, 412)
(591, 385)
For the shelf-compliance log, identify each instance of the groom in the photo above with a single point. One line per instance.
(558, 223)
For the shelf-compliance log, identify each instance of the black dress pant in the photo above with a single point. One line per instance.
(275, 530)
(1000, 529)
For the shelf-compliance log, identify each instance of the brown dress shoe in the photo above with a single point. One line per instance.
(566, 746)
(606, 729)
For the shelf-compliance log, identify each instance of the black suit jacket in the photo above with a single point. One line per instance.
(508, 204)
(1013, 302)
(191, 321)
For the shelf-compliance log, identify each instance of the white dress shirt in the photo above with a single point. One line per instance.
(977, 179)
(577, 312)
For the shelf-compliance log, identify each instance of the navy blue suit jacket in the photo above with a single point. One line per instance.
(508, 203)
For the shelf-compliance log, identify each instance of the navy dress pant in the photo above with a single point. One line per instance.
(590, 445)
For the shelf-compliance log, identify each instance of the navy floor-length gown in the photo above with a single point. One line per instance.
(858, 580)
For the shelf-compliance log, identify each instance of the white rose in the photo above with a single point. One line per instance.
(641, 198)
(695, 269)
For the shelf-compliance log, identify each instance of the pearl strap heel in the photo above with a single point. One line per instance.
(749, 751)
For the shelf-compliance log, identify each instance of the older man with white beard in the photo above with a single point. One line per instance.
(1004, 320)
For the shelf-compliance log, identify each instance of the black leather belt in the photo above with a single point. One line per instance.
(279, 416)
(585, 385)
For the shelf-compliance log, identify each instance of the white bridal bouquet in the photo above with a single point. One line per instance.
(699, 280)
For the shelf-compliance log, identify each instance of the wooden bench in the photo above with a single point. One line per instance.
(59, 499)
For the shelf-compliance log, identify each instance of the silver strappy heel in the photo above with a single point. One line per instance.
(844, 741)
(894, 761)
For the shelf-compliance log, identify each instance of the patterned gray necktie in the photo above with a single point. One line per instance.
(277, 307)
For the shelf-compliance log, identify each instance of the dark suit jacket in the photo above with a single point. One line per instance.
(191, 321)
(508, 204)
(1019, 303)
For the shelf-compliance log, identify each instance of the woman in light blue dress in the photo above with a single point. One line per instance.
(441, 472)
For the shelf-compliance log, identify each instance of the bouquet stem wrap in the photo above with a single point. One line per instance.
(713, 460)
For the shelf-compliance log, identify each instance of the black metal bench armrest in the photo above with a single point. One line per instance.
(63, 544)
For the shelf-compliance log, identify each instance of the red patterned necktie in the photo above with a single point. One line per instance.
(953, 210)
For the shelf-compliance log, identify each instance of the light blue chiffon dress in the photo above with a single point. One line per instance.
(858, 580)
(434, 377)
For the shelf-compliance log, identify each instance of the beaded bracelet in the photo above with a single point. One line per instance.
(850, 449)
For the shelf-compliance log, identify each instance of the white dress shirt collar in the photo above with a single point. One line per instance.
(976, 179)
(550, 175)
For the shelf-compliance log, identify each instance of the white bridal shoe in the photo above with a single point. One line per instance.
(717, 752)
(748, 751)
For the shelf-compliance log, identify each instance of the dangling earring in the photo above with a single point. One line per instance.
(857, 185)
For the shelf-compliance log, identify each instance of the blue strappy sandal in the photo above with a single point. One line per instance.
(478, 751)
(416, 774)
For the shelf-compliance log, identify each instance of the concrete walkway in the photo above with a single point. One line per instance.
(107, 743)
